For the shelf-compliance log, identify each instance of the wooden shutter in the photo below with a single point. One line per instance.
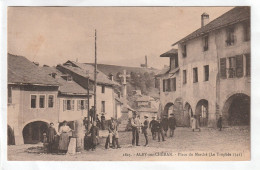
(78, 104)
(163, 85)
(72, 104)
(86, 104)
(223, 73)
(64, 105)
(239, 66)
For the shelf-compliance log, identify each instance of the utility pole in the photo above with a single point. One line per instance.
(95, 79)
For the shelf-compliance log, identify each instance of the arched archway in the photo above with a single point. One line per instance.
(236, 110)
(187, 114)
(201, 112)
(10, 136)
(33, 132)
(168, 109)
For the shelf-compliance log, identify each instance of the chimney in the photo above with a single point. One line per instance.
(204, 19)
(36, 63)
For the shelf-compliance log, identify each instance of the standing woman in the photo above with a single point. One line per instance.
(64, 137)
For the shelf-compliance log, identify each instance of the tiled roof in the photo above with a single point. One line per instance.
(66, 87)
(171, 53)
(163, 71)
(86, 70)
(233, 16)
(23, 71)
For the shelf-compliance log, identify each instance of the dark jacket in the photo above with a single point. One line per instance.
(51, 135)
(165, 124)
(158, 126)
(152, 125)
(172, 123)
(145, 126)
(112, 126)
(94, 131)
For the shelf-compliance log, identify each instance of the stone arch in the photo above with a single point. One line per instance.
(33, 131)
(236, 109)
(202, 112)
(187, 112)
(168, 109)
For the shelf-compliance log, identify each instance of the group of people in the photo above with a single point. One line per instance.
(63, 140)
(158, 128)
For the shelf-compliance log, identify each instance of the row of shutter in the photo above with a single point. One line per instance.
(239, 66)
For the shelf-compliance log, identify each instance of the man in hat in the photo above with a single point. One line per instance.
(145, 127)
(153, 127)
(165, 124)
(113, 134)
(92, 113)
(172, 124)
(160, 130)
(135, 129)
(103, 119)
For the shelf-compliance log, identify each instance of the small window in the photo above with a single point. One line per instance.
(82, 105)
(206, 73)
(42, 101)
(184, 76)
(69, 78)
(205, 43)
(103, 106)
(50, 101)
(195, 75)
(232, 67)
(230, 36)
(103, 89)
(33, 101)
(68, 105)
(184, 50)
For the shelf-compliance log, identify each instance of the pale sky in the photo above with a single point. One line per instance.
(53, 35)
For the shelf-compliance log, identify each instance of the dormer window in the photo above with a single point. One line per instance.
(205, 43)
(69, 78)
(184, 50)
(53, 75)
(230, 36)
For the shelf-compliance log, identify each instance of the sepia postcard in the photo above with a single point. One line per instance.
(129, 83)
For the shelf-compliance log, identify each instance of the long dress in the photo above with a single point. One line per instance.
(64, 138)
(193, 123)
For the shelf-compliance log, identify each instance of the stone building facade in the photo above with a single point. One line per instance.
(209, 74)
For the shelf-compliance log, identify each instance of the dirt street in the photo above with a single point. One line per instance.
(209, 144)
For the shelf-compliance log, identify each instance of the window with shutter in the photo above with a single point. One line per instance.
(223, 73)
(239, 66)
